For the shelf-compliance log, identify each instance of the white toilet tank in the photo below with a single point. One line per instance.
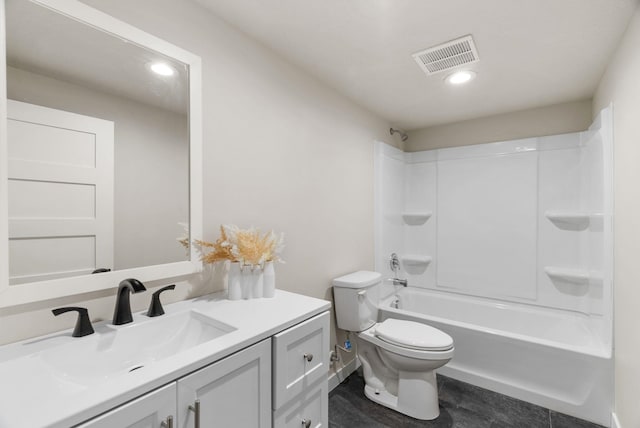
(356, 297)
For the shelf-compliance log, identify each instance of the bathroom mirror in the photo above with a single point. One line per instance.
(100, 153)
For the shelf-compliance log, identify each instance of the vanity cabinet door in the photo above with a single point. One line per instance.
(300, 358)
(234, 392)
(309, 408)
(149, 411)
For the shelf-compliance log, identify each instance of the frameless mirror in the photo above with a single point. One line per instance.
(99, 140)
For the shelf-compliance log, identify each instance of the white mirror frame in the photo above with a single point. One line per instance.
(51, 289)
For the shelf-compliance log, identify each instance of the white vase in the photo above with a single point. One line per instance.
(234, 282)
(256, 282)
(269, 280)
(247, 280)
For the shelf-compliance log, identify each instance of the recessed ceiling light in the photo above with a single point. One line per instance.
(460, 77)
(162, 68)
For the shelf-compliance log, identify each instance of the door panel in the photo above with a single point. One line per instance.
(60, 193)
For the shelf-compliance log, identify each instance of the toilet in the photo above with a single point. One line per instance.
(398, 357)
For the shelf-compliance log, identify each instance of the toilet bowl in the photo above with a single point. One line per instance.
(398, 357)
(401, 376)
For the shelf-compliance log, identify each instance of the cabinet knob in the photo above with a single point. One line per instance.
(167, 423)
(308, 357)
(306, 423)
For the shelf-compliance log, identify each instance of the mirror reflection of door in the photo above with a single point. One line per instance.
(61, 63)
(60, 193)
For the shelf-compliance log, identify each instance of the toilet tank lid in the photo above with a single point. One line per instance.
(360, 279)
(413, 335)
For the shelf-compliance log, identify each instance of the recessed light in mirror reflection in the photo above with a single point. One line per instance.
(163, 69)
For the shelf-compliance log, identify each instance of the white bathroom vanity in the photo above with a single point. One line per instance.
(207, 362)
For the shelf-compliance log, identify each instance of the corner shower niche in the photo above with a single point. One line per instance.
(525, 221)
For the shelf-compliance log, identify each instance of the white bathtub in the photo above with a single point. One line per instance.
(548, 357)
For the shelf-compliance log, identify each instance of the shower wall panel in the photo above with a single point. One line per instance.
(526, 221)
(486, 234)
(419, 234)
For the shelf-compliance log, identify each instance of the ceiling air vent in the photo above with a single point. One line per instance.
(447, 55)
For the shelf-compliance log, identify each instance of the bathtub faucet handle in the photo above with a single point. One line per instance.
(394, 264)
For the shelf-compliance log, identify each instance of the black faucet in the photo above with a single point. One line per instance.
(122, 312)
(83, 324)
(155, 308)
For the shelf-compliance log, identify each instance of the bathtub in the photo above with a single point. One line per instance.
(548, 357)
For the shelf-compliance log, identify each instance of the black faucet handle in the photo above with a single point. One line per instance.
(155, 308)
(83, 324)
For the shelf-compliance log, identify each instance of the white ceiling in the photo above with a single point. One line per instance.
(532, 52)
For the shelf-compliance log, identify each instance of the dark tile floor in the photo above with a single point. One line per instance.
(461, 406)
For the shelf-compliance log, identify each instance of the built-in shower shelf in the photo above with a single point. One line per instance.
(570, 220)
(416, 218)
(572, 276)
(415, 260)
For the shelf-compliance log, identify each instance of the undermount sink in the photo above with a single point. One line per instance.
(118, 350)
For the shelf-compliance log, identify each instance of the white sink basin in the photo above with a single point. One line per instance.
(115, 351)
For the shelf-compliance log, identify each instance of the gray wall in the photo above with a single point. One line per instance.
(550, 120)
(620, 86)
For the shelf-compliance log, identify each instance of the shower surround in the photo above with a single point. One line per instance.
(514, 240)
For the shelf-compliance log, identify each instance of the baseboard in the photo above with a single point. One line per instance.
(342, 373)
(615, 423)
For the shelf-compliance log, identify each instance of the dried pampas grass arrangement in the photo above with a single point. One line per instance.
(221, 249)
(246, 246)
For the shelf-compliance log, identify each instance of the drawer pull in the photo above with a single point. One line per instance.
(195, 408)
(168, 423)
(306, 423)
(308, 357)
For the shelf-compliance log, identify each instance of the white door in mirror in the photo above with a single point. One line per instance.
(60, 193)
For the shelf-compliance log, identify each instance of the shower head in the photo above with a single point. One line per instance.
(403, 136)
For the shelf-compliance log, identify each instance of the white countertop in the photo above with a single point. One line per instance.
(29, 399)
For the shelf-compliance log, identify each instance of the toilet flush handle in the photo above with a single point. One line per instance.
(361, 294)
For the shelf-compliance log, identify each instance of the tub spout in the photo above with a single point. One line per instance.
(398, 281)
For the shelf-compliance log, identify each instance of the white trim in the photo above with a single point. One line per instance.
(615, 423)
(337, 377)
(196, 207)
(45, 290)
(4, 162)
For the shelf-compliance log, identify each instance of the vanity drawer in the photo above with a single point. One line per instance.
(300, 358)
(312, 407)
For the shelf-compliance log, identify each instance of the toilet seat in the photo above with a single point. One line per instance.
(413, 335)
(421, 354)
